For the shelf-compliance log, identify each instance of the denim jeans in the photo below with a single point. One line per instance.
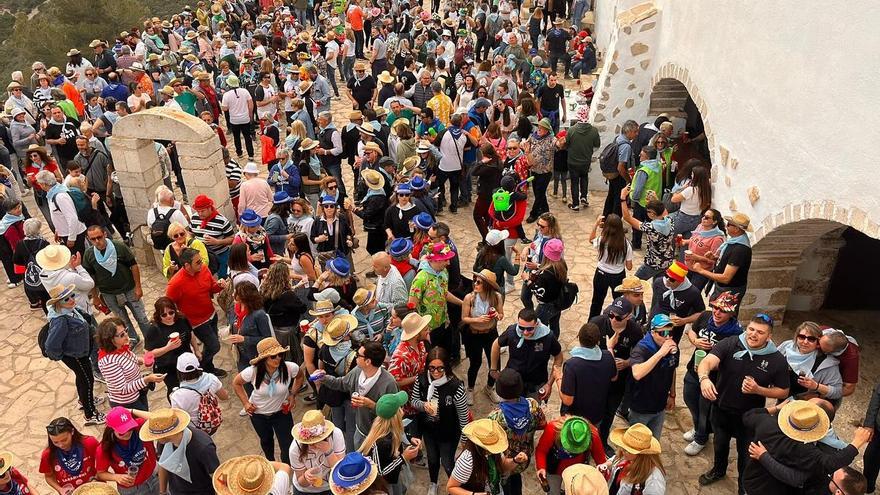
(348, 68)
(300, 15)
(549, 314)
(654, 421)
(331, 77)
(269, 426)
(698, 406)
(580, 183)
(465, 186)
(578, 9)
(118, 302)
(207, 334)
(508, 251)
(344, 419)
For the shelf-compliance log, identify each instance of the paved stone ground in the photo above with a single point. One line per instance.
(33, 390)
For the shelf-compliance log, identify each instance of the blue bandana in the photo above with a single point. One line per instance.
(586, 353)
(517, 415)
(541, 331)
(770, 348)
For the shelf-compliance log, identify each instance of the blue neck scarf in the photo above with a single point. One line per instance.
(713, 232)
(9, 220)
(770, 348)
(517, 415)
(57, 188)
(740, 239)
(108, 258)
(649, 343)
(670, 293)
(663, 225)
(173, 458)
(586, 353)
(541, 331)
(72, 460)
(732, 327)
(374, 192)
(796, 361)
(132, 454)
(339, 351)
(276, 377)
(315, 166)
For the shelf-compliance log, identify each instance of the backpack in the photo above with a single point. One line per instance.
(159, 229)
(608, 161)
(567, 295)
(32, 271)
(210, 416)
(43, 334)
(80, 203)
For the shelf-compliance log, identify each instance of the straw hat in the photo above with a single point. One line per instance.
(488, 276)
(268, 347)
(305, 37)
(304, 86)
(6, 461)
(245, 475)
(340, 326)
(487, 434)
(164, 423)
(637, 439)
(72, 52)
(740, 220)
(308, 144)
(203, 76)
(413, 324)
(364, 295)
(359, 66)
(373, 179)
(96, 43)
(191, 35)
(167, 91)
(53, 256)
(367, 128)
(386, 77)
(583, 479)
(372, 146)
(313, 428)
(59, 293)
(322, 308)
(631, 284)
(803, 421)
(95, 488)
(355, 115)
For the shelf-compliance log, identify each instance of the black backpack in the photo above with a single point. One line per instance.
(43, 334)
(567, 295)
(608, 161)
(159, 229)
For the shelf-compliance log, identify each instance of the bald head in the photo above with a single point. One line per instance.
(381, 263)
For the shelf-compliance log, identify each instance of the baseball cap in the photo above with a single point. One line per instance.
(621, 306)
(120, 420)
(187, 362)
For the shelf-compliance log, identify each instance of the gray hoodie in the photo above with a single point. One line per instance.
(78, 277)
(20, 134)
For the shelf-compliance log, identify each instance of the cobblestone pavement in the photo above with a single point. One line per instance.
(33, 390)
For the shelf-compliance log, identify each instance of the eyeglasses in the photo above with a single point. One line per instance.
(333, 206)
(836, 486)
(513, 148)
(764, 317)
(808, 338)
(436, 368)
(663, 333)
(361, 356)
(179, 235)
(58, 426)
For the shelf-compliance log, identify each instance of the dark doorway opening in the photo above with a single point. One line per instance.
(854, 283)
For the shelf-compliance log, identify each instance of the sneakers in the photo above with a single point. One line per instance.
(242, 413)
(585, 202)
(96, 401)
(12, 285)
(574, 207)
(494, 397)
(97, 419)
(220, 373)
(470, 396)
(710, 477)
(432, 489)
(694, 448)
(689, 435)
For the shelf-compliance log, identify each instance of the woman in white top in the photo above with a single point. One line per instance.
(318, 445)
(302, 265)
(269, 406)
(694, 197)
(615, 258)
(301, 220)
(138, 100)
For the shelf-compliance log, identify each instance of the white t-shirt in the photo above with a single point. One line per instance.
(188, 400)
(614, 268)
(137, 103)
(281, 484)
(268, 93)
(290, 86)
(349, 48)
(316, 459)
(177, 216)
(260, 397)
(236, 100)
(691, 204)
(453, 152)
(332, 47)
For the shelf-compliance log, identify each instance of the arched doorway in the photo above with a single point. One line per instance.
(139, 172)
(670, 96)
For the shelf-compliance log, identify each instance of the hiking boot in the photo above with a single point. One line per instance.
(710, 477)
(694, 448)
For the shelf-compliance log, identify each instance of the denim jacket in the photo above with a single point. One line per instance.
(68, 337)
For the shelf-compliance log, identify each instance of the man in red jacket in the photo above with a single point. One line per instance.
(192, 289)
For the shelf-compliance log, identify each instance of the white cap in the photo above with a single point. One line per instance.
(187, 362)
(250, 168)
(493, 237)
(327, 295)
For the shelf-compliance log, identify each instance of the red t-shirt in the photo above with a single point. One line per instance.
(19, 478)
(547, 442)
(356, 18)
(113, 463)
(849, 364)
(65, 479)
(32, 171)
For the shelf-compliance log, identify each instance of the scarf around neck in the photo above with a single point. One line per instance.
(670, 293)
(517, 415)
(339, 351)
(108, 259)
(649, 343)
(9, 220)
(71, 461)
(713, 232)
(586, 353)
(173, 458)
(434, 385)
(740, 239)
(56, 189)
(770, 348)
(211, 216)
(133, 453)
(541, 331)
(799, 363)
(663, 225)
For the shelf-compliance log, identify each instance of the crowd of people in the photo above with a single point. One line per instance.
(459, 96)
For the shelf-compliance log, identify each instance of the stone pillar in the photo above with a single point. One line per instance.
(204, 172)
(770, 280)
(137, 167)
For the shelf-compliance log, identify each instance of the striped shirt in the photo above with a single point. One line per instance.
(123, 375)
(218, 228)
(233, 172)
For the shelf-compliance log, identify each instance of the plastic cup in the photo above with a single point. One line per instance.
(149, 358)
(174, 336)
(699, 354)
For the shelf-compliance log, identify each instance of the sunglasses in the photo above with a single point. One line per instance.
(479, 282)
(169, 313)
(663, 333)
(275, 356)
(764, 317)
(179, 235)
(59, 426)
(436, 368)
(619, 317)
(514, 148)
(96, 239)
(403, 195)
(542, 225)
(527, 329)
(330, 188)
(333, 206)
(708, 217)
(808, 338)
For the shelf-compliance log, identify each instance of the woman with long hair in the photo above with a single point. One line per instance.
(36, 160)
(251, 323)
(488, 172)
(68, 460)
(284, 308)
(496, 138)
(694, 197)
(706, 238)
(812, 373)
(168, 336)
(492, 256)
(481, 463)
(251, 233)
(546, 284)
(546, 228)
(296, 132)
(302, 264)
(300, 220)
(384, 443)
(615, 258)
(339, 276)
(121, 367)
(180, 240)
(440, 398)
(394, 331)
(125, 459)
(317, 446)
(275, 223)
(270, 404)
(331, 232)
(240, 267)
(467, 92)
(481, 310)
(637, 463)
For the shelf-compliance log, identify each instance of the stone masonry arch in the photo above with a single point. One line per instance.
(779, 244)
(139, 172)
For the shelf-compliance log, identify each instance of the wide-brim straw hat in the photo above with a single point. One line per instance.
(373, 179)
(583, 479)
(164, 423)
(338, 328)
(268, 347)
(95, 488)
(488, 276)
(413, 324)
(313, 428)
(386, 77)
(60, 293)
(487, 434)
(304, 86)
(96, 43)
(803, 421)
(637, 439)
(631, 284)
(741, 220)
(6, 461)
(245, 475)
(322, 308)
(53, 256)
(308, 144)
(367, 128)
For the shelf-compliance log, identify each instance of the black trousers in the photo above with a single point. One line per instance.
(539, 187)
(359, 44)
(85, 382)
(8, 265)
(270, 426)
(513, 485)
(615, 397)
(727, 426)
(872, 462)
(239, 131)
(612, 201)
(602, 282)
(207, 333)
(376, 240)
(441, 450)
(453, 178)
(475, 346)
(640, 213)
(580, 182)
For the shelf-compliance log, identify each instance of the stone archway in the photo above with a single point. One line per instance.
(794, 253)
(139, 173)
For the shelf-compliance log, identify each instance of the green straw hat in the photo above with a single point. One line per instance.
(575, 435)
